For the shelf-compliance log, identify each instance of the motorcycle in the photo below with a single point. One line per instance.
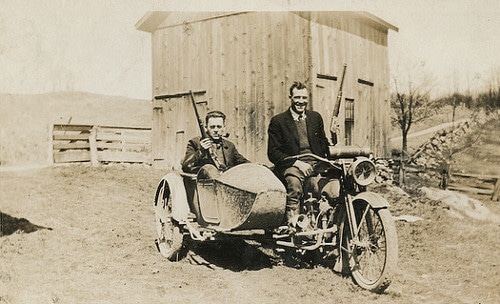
(339, 220)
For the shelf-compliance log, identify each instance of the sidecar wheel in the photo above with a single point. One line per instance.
(170, 237)
(371, 257)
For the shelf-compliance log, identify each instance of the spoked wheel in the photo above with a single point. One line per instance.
(170, 237)
(371, 253)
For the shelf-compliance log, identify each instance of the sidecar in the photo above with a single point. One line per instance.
(247, 197)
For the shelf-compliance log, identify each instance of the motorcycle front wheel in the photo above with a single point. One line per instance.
(371, 252)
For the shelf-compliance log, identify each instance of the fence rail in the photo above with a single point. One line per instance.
(484, 184)
(100, 144)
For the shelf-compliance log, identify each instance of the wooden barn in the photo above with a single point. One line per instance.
(243, 63)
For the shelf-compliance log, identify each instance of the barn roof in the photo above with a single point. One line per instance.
(161, 19)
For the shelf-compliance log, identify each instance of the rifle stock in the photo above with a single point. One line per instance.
(334, 124)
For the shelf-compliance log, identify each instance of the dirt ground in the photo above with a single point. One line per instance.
(79, 234)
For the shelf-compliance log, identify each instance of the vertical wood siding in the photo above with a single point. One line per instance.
(366, 59)
(246, 62)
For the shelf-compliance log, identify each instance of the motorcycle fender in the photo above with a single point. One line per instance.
(180, 206)
(375, 200)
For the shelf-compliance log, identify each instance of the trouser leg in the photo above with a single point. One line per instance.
(294, 186)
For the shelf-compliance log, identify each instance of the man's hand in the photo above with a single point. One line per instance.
(206, 143)
(303, 166)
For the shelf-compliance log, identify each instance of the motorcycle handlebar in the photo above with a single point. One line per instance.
(316, 157)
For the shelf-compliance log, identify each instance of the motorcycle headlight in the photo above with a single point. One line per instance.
(363, 171)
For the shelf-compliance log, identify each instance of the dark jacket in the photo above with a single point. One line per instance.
(196, 156)
(283, 138)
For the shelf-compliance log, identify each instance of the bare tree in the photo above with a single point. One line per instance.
(411, 103)
(489, 99)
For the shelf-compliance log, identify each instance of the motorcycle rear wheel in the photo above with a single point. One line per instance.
(371, 257)
(170, 237)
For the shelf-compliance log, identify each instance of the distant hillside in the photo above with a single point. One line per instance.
(25, 120)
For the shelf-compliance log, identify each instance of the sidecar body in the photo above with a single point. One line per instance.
(245, 197)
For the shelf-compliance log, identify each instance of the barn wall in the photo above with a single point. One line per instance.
(245, 62)
(367, 59)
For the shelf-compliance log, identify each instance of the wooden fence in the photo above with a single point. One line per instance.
(479, 184)
(463, 182)
(100, 144)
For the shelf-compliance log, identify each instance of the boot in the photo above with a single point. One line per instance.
(288, 224)
(291, 215)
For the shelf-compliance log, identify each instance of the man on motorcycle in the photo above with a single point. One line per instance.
(213, 149)
(295, 131)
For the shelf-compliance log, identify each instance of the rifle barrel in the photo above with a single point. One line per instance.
(177, 95)
(200, 122)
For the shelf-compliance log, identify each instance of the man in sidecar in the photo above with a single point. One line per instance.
(212, 149)
(293, 132)
(226, 191)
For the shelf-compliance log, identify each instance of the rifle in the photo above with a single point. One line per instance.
(204, 134)
(334, 126)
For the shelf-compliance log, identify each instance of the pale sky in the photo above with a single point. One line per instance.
(93, 46)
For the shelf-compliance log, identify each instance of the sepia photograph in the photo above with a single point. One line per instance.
(266, 151)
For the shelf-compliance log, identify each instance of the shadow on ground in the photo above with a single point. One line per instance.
(235, 255)
(239, 255)
(10, 224)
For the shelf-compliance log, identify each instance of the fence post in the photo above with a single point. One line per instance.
(93, 147)
(496, 190)
(51, 145)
